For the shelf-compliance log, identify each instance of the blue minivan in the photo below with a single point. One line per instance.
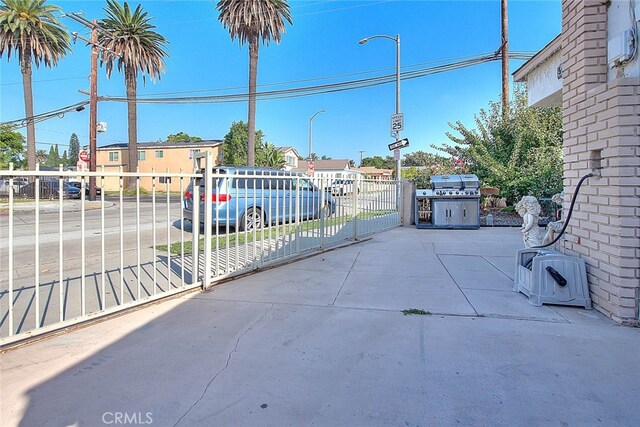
(251, 198)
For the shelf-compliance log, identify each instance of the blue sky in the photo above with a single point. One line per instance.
(321, 45)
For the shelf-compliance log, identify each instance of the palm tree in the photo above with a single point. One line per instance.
(30, 28)
(41, 156)
(140, 49)
(249, 21)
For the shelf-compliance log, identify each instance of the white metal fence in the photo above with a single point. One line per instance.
(64, 261)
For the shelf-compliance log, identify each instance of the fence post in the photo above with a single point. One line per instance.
(354, 205)
(195, 225)
(208, 218)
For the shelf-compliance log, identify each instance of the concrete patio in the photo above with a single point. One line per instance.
(323, 341)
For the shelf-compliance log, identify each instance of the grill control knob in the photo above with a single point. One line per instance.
(457, 192)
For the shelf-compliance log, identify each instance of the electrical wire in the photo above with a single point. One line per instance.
(37, 118)
(319, 89)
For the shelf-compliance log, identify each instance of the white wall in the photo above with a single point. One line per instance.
(543, 85)
(619, 20)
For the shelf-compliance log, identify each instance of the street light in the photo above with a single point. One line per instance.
(311, 131)
(397, 150)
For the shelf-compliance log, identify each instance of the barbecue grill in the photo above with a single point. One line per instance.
(453, 201)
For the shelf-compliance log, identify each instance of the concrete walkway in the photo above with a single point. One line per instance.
(323, 342)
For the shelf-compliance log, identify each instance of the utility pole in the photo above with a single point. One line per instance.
(93, 109)
(505, 61)
(93, 92)
(360, 151)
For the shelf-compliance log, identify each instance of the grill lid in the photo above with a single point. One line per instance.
(470, 181)
(454, 182)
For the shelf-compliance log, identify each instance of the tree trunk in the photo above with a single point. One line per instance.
(130, 82)
(251, 122)
(25, 65)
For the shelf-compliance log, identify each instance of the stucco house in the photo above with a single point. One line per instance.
(155, 156)
(592, 69)
(291, 157)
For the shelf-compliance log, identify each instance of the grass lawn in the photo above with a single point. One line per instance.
(270, 232)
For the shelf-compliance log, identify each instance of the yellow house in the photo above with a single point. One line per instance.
(174, 157)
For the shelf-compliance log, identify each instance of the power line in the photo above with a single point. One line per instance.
(291, 92)
(321, 89)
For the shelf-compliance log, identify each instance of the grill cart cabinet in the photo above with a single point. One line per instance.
(456, 213)
(453, 201)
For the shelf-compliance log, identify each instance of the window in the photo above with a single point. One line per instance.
(159, 154)
(193, 152)
(114, 156)
(164, 179)
(291, 161)
(142, 155)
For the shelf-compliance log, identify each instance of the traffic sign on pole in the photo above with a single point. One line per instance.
(84, 156)
(399, 144)
(397, 122)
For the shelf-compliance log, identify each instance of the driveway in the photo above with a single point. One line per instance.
(323, 341)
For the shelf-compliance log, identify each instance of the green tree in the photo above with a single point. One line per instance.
(53, 159)
(11, 148)
(31, 29)
(378, 162)
(74, 150)
(182, 137)
(140, 50)
(234, 147)
(521, 155)
(250, 21)
(270, 157)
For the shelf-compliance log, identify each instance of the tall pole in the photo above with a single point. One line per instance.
(311, 132)
(505, 61)
(396, 152)
(361, 151)
(93, 109)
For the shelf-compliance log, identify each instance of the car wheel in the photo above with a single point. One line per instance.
(326, 210)
(251, 220)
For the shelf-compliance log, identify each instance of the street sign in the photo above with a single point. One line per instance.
(84, 156)
(397, 122)
(310, 167)
(399, 144)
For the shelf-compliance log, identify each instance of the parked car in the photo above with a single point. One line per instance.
(78, 185)
(251, 198)
(341, 187)
(49, 190)
(18, 183)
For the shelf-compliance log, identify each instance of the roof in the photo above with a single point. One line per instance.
(373, 170)
(166, 144)
(286, 149)
(331, 164)
(547, 52)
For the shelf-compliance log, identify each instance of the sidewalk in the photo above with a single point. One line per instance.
(323, 341)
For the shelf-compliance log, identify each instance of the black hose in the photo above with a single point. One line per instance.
(566, 221)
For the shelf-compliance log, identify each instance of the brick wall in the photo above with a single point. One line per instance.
(601, 124)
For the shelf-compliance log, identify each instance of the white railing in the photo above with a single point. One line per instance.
(65, 261)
